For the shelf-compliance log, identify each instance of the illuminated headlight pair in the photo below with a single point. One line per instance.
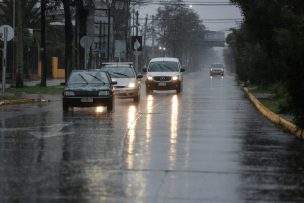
(103, 93)
(69, 93)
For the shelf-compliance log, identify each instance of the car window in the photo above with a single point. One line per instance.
(163, 66)
(120, 71)
(217, 65)
(88, 77)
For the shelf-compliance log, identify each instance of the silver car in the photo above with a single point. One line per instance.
(128, 81)
(216, 69)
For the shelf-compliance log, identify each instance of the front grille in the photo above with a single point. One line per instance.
(162, 78)
(117, 87)
(86, 93)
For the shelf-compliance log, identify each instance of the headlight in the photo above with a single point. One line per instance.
(131, 85)
(175, 78)
(150, 78)
(69, 93)
(103, 93)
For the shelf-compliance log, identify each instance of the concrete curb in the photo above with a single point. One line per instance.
(22, 101)
(292, 128)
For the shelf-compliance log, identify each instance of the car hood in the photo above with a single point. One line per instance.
(153, 74)
(124, 81)
(89, 87)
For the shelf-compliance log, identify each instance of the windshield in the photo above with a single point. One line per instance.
(117, 71)
(217, 65)
(88, 77)
(163, 66)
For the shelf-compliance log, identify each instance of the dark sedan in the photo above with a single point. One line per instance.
(88, 88)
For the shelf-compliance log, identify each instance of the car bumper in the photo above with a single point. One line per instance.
(87, 101)
(168, 85)
(126, 93)
(216, 73)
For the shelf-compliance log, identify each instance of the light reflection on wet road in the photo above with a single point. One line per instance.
(208, 144)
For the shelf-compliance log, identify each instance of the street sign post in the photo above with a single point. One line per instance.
(136, 43)
(86, 42)
(6, 34)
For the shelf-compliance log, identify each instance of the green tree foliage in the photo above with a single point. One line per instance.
(179, 28)
(269, 47)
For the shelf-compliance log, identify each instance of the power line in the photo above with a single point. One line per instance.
(218, 3)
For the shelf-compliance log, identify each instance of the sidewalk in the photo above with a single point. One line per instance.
(22, 98)
(49, 82)
(285, 122)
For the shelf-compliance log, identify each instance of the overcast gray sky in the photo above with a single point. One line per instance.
(208, 13)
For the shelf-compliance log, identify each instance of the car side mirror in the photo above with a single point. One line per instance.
(183, 70)
(139, 76)
(144, 69)
(114, 82)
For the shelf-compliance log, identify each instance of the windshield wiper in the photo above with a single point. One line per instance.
(83, 78)
(97, 78)
(120, 74)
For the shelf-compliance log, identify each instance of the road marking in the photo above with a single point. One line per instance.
(42, 131)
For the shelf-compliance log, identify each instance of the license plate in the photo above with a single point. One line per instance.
(86, 99)
(161, 84)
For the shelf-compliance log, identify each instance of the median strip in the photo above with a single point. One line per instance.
(20, 101)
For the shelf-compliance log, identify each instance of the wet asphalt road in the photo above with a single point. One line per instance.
(208, 144)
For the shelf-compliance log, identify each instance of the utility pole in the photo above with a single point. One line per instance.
(19, 43)
(14, 25)
(145, 38)
(127, 31)
(109, 26)
(77, 31)
(153, 36)
(99, 45)
(137, 24)
(42, 49)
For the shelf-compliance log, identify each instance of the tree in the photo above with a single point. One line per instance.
(68, 37)
(27, 16)
(179, 28)
(272, 34)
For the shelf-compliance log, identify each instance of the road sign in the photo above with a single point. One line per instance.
(10, 32)
(136, 43)
(86, 42)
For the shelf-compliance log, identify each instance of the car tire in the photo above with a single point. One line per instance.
(110, 105)
(136, 98)
(65, 106)
(148, 90)
(179, 89)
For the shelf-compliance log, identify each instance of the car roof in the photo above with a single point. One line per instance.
(88, 70)
(165, 59)
(117, 63)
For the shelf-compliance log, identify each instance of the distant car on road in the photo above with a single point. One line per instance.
(216, 69)
(128, 83)
(164, 74)
(88, 88)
